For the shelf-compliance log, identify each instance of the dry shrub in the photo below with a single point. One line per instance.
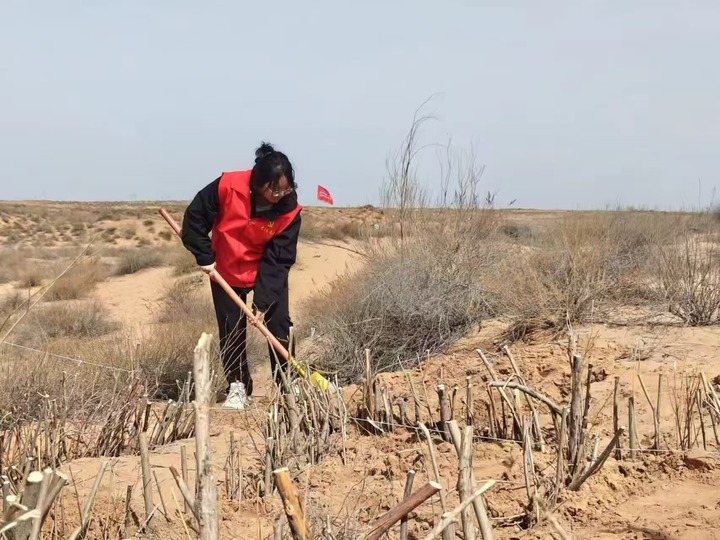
(583, 264)
(418, 295)
(182, 261)
(77, 282)
(164, 355)
(9, 303)
(165, 350)
(339, 227)
(131, 261)
(690, 280)
(78, 320)
(34, 275)
(13, 262)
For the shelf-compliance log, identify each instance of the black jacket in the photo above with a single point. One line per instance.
(280, 253)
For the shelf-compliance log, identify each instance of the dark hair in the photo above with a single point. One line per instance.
(270, 167)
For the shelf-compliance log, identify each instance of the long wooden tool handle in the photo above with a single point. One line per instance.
(282, 351)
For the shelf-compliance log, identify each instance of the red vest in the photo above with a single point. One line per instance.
(237, 239)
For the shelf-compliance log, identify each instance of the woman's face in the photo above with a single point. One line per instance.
(274, 195)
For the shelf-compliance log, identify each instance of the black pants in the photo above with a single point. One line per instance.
(232, 325)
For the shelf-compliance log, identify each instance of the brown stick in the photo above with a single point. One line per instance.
(698, 400)
(616, 416)
(30, 499)
(594, 467)
(406, 495)
(536, 421)
(450, 516)
(278, 528)
(631, 427)
(291, 502)
(492, 412)
(392, 516)
(658, 443)
(552, 520)
(267, 485)
(162, 499)
(560, 471)
(87, 511)
(128, 514)
(146, 477)
(478, 502)
(449, 531)
(470, 405)
(185, 492)
(528, 464)
(444, 411)
(436, 471)
(656, 417)
(555, 409)
(576, 411)
(207, 500)
(183, 469)
(464, 483)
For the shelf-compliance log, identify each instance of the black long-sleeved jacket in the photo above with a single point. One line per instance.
(280, 253)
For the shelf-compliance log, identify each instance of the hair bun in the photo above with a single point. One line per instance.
(265, 150)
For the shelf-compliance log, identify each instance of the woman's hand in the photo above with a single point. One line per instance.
(208, 269)
(259, 315)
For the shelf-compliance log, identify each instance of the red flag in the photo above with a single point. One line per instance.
(324, 195)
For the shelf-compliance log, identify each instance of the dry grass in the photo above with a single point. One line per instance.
(690, 280)
(77, 320)
(131, 261)
(412, 296)
(13, 264)
(79, 281)
(182, 261)
(165, 352)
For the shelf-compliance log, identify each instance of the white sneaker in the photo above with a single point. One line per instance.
(237, 398)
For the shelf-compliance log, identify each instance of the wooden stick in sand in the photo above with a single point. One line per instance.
(146, 477)
(291, 502)
(449, 517)
(597, 465)
(477, 502)
(207, 499)
(631, 427)
(436, 471)
(616, 416)
(406, 495)
(576, 412)
(464, 483)
(392, 516)
(653, 409)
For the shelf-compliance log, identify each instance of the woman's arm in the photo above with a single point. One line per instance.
(280, 254)
(198, 221)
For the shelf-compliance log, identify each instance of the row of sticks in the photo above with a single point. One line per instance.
(26, 506)
(471, 510)
(59, 436)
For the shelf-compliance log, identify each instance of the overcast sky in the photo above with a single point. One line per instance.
(568, 104)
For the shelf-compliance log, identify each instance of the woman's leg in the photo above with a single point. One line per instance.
(277, 320)
(232, 326)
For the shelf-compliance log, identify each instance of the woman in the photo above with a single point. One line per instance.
(254, 217)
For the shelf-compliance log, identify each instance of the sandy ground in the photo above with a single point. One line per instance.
(666, 496)
(662, 496)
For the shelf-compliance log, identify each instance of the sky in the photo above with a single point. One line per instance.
(567, 104)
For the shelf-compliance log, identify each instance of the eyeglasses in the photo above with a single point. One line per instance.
(287, 191)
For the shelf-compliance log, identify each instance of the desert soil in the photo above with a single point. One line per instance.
(666, 495)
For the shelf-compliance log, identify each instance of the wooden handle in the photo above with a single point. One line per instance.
(282, 351)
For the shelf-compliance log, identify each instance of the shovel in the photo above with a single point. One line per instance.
(315, 378)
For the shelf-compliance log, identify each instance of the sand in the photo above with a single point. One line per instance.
(671, 495)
